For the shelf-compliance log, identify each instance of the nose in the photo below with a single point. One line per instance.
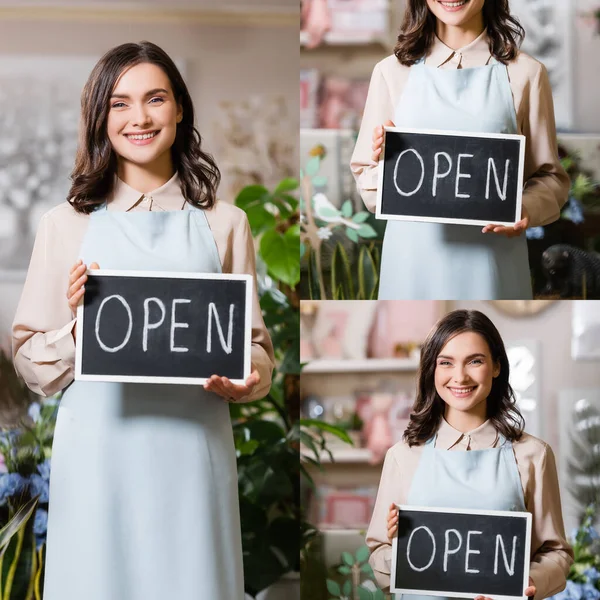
(460, 374)
(141, 117)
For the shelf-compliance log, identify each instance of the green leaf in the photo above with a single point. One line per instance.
(360, 217)
(312, 166)
(319, 181)
(287, 185)
(333, 588)
(251, 194)
(347, 209)
(341, 274)
(379, 595)
(368, 276)
(328, 212)
(281, 254)
(337, 431)
(362, 554)
(18, 522)
(259, 218)
(366, 231)
(351, 233)
(347, 588)
(366, 568)
(348, 558)
(302, 249)
(364, 593)
(345, 570)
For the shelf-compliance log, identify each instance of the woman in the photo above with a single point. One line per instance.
(143, 492)
(464, 447)
(458, 66)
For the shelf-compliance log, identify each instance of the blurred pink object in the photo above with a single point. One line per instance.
(316, 21)
(3, 468)
(334, 109)
(401, 322)
(377, 430)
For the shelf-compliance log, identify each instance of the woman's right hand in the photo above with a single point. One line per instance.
(77, 279)
(392, 521)
(378, 135)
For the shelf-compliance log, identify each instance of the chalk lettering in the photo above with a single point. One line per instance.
(212, 312)
(419, 569)
(500, 542)
(501, 193)
(447, 549)
(460, 175)
(436, 165)
(129, 328)
(469, 551)
(402, 193)
(147, 324)
(176, 325)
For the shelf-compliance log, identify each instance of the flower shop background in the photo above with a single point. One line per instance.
(247, 112)
(360, 361)
(341, 41)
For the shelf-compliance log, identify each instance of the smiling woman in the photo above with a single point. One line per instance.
(154, 510)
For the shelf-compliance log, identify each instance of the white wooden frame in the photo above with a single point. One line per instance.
(79, 376)
(503, 136)
(498, 513)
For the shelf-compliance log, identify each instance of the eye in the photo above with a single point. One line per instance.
(161, 100)
(444, 363)
(477, 361)
(118, 104)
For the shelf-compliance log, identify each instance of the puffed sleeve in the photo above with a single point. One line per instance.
(546, 183)
(43, 344)
(552, 555)
(378, 110)
(243, 261)
(377, 539)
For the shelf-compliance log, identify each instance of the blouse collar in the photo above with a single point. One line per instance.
(484, 436)
(167, 197)
(474, 54)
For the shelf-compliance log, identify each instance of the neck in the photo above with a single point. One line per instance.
(465, 421)
(148, 177)
(456, 37)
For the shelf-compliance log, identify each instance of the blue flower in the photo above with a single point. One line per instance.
(34, 411)
(39, 487)
(44, 469)
(592, 533)
(573, 211)
(40, 523)
(11, 484)
(573, 591)
(592, 574)
(535, 233)
(590, 592)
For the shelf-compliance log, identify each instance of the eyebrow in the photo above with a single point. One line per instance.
(476, 355)
(149, 93)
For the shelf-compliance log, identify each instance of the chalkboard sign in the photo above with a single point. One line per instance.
(458, 553)
(451, 177)
(145, 326)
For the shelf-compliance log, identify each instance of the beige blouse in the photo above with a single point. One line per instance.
(547, 184)
(43, 345)
(551, 555)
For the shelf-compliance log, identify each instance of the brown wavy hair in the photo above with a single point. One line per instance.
(428, 409)
(96, 163)
(417, 32)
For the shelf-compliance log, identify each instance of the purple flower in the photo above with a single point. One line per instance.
(44, 469)
(590, 592)
(40, 523)
(592, 574)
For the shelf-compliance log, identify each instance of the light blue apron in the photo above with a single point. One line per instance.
(443, 261)
(474, 479)
(143, 491)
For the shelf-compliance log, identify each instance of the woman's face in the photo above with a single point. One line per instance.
(464, 372)
(462, 13)
(143, 115)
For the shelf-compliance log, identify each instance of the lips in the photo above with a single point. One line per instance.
(462, 392)
(453, 6)
(142, 138)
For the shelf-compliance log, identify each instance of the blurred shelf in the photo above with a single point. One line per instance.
(368, 365)
(331, 40)
(344, 455)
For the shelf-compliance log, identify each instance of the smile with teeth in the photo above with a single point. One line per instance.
(145, 136)
(453, 4)
(464, 391)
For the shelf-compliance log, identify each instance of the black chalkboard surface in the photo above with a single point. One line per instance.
(458, 553)
(145, 326)
(451, 177)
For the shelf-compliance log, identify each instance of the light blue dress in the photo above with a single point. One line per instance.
(474, 479)
(143, 491)
(434, 261)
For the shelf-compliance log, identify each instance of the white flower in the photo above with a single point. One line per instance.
(324, 233)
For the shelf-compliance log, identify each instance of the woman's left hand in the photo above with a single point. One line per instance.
(529, 592)
(230, 391)
(517, 229)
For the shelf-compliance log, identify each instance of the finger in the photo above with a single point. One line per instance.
(389, 123)
(234, 390)
(76, 273)
(218, 387)
(94, 265)
(76, 265)
(76, 299)
(377, 132)
(76, 287)
(530, 591)
(253, 379)
(377, 144)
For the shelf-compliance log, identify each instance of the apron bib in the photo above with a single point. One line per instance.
(443, 261)
(143, 490)
(474, 479)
